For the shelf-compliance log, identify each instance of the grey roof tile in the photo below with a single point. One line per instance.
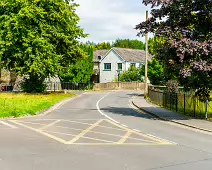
(98, 53)
(132, 55)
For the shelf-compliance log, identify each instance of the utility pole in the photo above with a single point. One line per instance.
(146, 62)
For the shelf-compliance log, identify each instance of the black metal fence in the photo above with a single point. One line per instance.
(186, 103)
(5, 88)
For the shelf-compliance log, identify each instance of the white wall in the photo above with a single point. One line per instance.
(109, 76)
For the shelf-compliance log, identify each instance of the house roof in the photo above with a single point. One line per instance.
(98, 53)
(132, 55)
(129, 55)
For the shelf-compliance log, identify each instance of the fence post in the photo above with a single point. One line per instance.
(184, 103)
(170, 100)
(54, 86)
(206, 112)
(194, 106)
(176, 102)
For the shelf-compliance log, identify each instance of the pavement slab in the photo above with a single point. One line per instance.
(165, 114)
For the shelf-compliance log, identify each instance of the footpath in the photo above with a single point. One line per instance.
(167, 115)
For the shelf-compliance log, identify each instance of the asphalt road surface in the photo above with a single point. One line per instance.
(101, 131)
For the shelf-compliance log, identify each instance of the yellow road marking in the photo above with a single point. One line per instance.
(31, 123)
(123, 144)
(94, 131)
(66, 134)
(146, 136)
(85, 131)
(121, 129)
(62, 127)
(39, 131)
(89, 129)
(51, 124)
(124, 138)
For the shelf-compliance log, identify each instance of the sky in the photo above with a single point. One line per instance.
(108, 20)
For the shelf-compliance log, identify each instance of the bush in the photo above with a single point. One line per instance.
(33, 84)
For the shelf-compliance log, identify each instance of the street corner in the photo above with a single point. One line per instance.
(89, 132)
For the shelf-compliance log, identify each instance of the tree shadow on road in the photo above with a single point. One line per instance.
(127, 112)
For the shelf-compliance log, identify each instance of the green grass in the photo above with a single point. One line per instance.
(20, 104)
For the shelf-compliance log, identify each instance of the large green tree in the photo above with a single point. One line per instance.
(39, 38)
(81, 70)
(187, 29)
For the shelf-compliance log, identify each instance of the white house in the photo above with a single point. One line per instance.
(117, 60)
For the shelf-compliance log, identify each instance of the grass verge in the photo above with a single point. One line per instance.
(21, 104)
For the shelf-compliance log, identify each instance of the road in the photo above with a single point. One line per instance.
(101, 131)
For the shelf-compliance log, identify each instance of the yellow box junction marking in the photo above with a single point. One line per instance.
(148, 140)
(51, 124)
(124, 138)
(85, 131)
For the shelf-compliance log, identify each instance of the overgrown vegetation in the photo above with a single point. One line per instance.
(17, 105)
(80, 71)
(155, 72)
(186, 33)
(39, 38)
(121, 43)
(130, 75)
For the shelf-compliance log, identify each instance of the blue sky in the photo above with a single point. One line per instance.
(107, 20)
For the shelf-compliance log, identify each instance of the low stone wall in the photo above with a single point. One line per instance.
(119, 86)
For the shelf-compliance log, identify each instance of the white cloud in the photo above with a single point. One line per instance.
(107, 20)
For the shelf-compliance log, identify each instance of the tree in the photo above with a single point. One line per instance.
(81, 70)
(127, 43)
(39, 38)
(103, 46)
(187, 31)
(155, 72)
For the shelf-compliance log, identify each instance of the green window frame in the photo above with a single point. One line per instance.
(107, 66)
(119, 65)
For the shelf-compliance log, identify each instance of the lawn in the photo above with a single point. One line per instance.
(16, 105)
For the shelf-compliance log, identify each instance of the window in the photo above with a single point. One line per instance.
(107, 66)
(140, 65)
(119, 66)
(133, 65)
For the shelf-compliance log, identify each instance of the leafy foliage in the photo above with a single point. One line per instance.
(187, 32)
(103, 46)
(127, 43)
(122, 43)
(39, 38)
(130, 75)
(155, 72)
(81, 70)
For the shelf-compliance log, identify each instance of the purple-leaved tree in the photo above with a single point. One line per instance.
(186, 26)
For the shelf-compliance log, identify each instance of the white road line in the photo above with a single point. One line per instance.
(163, 139)
(97, 106)
(7, 124)
(124, 125)
(136, 130)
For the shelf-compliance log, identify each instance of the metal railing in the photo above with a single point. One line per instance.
(182, 102)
